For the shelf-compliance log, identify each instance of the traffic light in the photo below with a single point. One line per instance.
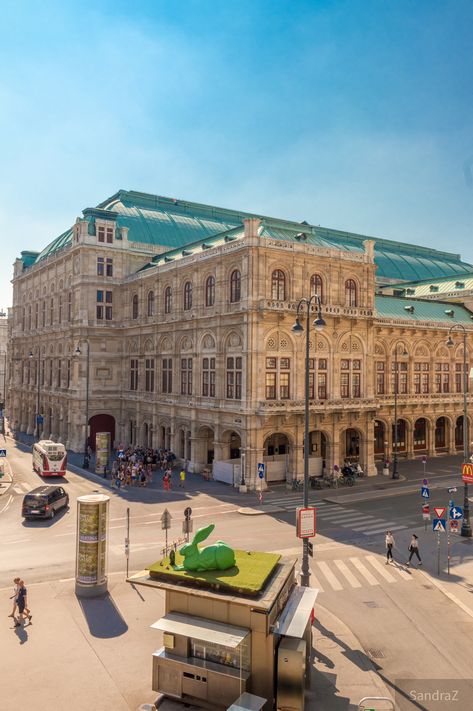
(310, 548)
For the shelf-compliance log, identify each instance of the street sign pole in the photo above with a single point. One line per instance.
(448, 542)
(127, 541)
(438, 552)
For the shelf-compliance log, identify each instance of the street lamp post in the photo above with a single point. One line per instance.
(297, 328)
(396, 385)
(86, 437)
(466, 526)
(38, 364)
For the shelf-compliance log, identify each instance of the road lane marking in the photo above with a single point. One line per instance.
(380, 568)
(363, 570)
(7, 504)
(386, 527)
(403, 573)
(330, 577)
(343, 568)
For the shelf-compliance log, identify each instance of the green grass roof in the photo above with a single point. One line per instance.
(248, 576)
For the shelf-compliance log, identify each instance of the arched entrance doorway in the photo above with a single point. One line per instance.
(276, 456)
(318, 448)
(101, 423)
(459, 433)
(401, 437)
(441, 432)
(380, 440)
(420, 434)
(351, 445)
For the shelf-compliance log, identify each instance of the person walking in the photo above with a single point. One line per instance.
(22, 602)
(182, 479)
(414, 549)
(14, 596)
(166, 482)
(389, 547)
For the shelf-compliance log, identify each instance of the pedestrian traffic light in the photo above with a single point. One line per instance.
(310, 548)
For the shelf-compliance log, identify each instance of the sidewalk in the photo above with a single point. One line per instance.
(105, 646)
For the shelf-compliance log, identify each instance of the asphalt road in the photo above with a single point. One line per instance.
(403, 622)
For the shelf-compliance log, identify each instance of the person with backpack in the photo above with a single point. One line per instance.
(414, 549)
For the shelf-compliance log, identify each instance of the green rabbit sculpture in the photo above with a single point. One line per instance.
(219, 556)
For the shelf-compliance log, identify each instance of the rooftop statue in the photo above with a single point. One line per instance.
(218, 556)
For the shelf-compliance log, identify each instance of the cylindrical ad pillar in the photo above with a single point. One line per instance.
(91, 545)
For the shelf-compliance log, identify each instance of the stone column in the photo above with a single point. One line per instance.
(368, 448)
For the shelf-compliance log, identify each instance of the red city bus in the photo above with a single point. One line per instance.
(49, 458)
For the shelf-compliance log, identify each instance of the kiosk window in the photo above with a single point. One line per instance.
(219, 654)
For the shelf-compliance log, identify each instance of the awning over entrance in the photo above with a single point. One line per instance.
(201, 629)
(295, 615)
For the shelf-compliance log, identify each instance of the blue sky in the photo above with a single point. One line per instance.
(353, 115)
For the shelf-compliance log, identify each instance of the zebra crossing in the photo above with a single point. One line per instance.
(355, 520)
(21, 487)
(356, 572)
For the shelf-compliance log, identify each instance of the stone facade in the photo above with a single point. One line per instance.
(196, 352)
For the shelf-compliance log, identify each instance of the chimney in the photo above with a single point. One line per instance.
(368, 244)
(252, 225)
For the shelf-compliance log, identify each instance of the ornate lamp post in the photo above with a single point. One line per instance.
(298, 329)
(466, 527)
(37, 395)
(396, 387)
(86, 436)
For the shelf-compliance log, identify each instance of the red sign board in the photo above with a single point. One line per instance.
(467, 473)
(440, 511)
(426, 511)
(454, 526)
(306, 522)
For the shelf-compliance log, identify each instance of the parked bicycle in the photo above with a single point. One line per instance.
(297, 484)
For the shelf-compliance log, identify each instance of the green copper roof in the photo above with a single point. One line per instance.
(175, 224)
(443, 285)
(399, 308)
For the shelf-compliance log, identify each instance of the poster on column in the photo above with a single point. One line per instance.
(102, 451)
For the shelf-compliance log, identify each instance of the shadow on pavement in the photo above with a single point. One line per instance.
(21, 633)
(103, 617)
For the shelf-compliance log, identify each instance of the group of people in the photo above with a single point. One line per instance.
(413, 548)
(134, 466)
(20, 603)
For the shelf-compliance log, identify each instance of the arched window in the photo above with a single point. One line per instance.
(210, 291)
(187, 296)
(278, 285)
(317, 286)
(235, 286)
(167, 300)
(151, 303)
(134, 306)
(350, 293)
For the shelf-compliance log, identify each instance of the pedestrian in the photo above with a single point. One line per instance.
(414, 549)
(14, 596)
(22, 602)
(166, 482)
(389, 547)
(182, 478)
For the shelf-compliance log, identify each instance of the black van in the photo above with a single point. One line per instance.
(44, 501)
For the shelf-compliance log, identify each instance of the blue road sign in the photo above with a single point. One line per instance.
(39, 419)
(456, 512)
(3, 452)
(425, 482)
(439, 524)
(425, 492)
(261, 468)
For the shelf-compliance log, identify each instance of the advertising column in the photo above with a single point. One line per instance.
(102, 451)
(91, 546)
